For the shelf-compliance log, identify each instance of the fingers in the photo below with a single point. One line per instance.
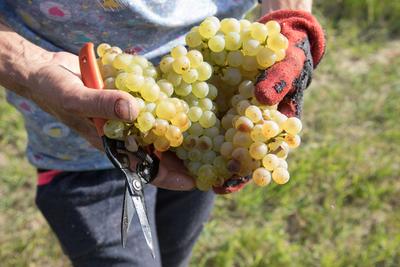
(107, 104)
(172, 174)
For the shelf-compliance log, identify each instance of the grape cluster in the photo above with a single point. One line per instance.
(200, 102)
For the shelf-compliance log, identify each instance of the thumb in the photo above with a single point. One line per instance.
(277, 81)
(107, 104)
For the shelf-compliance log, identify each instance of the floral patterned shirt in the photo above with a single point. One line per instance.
(149, 27)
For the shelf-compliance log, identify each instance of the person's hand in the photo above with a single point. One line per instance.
(285, 81)
(56, 87)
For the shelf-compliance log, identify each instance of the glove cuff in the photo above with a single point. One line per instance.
(295, 21)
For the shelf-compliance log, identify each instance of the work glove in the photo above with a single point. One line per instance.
(285, 81)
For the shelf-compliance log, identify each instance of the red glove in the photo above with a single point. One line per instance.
(286, 80)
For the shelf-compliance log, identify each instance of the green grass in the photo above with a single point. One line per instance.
(341, 207)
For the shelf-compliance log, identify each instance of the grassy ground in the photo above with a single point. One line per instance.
(341, 208)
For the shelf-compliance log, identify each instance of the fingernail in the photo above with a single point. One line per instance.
(123, 109)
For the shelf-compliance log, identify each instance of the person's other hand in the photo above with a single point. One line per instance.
(56, 87)
(172, 174)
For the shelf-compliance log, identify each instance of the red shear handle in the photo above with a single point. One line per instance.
(91, 77)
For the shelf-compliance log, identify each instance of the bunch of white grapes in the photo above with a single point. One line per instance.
(200, 102)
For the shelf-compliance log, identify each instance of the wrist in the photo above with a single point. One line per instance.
(268, 6)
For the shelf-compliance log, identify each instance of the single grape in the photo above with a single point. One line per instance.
(150, 91)
(190, 142)
(242, 106)
(180, 119)
(181, 64)
(270, 129)
(212, 92)
(229, 134)
(166, 87)
(244, 25)
(160, 127)
(166, 109)
(145, 121)
(277, 41)
(266, 57)
(261, 177)
(205, 71)
(183, 89)
(259, 31)
(280, 54)
(257, 134)
(293, 141)
(227, 121)
(120, 81)
(209, 156)
(208, 29)
(233, 166)
(166, 64)
(173, 133)
(233, 41)
(190, 76)
(258, 150)
(200, 89)
(219, 57)
(244, 124)
(280, 176)
(114, 129)
(273, 27)
(216, 43)
(230, 25)
(279, 148)
(101, 49)
(206, 104)
(195, 155)
(226, 149)
(204, 143)
(253, 113)
(151, 107)
(208, 119)
(150, 72)
(134, 82)
(161, 144)
(193, 39)
(270, 162)
(251, 47)
(241, 154)
(174, 78)
(211, 132)
(195, 113)
(196, 129)
(235, 58)
(141, 61)
(231, 76)
(246, 88)
(242, 139)
(292, 125)
(249, 63)
(178, 51)
(122, 61)
(218, 140)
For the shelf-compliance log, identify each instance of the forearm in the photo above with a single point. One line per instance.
(18, 60)
(272, 5)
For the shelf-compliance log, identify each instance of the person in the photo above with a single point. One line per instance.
(79, 192)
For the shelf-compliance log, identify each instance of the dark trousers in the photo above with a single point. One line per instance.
(84, 211)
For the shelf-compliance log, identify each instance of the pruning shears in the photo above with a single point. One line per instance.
(146, 169)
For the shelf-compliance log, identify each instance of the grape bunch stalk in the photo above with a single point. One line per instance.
(200, 103)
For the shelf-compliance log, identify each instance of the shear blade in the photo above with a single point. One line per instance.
(127, 214)
(144, 222)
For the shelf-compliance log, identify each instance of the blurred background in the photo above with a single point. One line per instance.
(342, 205)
